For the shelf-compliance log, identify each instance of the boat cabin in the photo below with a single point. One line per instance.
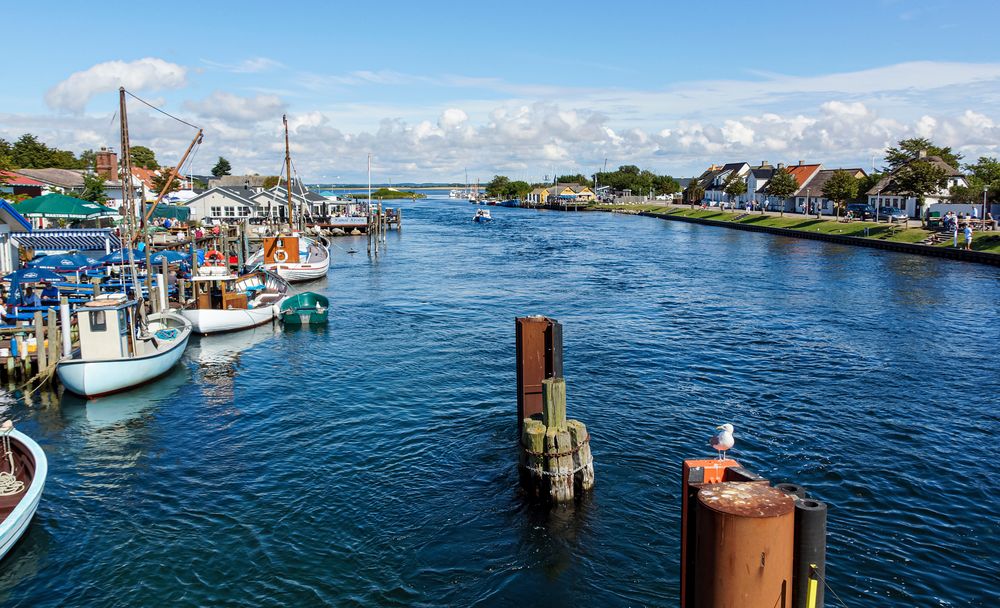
(281, 250)
(218, 292)
(105, 327)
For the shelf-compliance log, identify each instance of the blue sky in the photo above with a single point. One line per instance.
(523, 89)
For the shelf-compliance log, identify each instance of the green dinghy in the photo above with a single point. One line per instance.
(305, 309)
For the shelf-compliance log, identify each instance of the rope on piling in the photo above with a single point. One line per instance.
(545, 473)
(9, 483)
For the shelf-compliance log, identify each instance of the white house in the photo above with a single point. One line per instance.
(223, 204)
(810, 195)
(757, 179)
(716, 181)
(886, 193)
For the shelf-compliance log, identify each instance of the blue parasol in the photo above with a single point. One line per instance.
(64, 262)
(172, 257)
(121, 257)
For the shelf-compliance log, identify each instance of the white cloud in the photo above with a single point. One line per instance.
(150, 73)
(235, 109)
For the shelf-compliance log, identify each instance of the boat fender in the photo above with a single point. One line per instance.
(214, 258)
(280, 256)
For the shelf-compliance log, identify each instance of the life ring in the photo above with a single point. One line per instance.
(280, 256)
(214, 258)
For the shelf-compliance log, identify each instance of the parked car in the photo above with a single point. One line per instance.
(891, 213)
(861, 211)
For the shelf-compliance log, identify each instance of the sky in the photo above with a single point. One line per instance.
(437, 90)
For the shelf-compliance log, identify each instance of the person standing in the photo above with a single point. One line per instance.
(954, 233)
(968, 236)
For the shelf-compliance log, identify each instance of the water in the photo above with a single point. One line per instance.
(372, 463)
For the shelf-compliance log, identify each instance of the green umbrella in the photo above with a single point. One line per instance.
(62, 206)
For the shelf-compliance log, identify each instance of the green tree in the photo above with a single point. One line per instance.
(909, 149)
(983, 174)
(221, 168)
(497, 187)
(664, 184)
(840, 188)
(87, 160)
(159, 181)
(143, 157)
(782, 185)
(519, 189)
(918, 179)
(271, 181)
(866, 183)
(93, 188)
(734, 187)
(29, 153)
(695, 192)
(579, 178)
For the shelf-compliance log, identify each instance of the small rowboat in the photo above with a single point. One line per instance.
(23, 468)
(305, 309)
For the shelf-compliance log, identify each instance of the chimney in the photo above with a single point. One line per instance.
(802, 162)
(781, 165)
(764, 165)
(922, 154)
(106, 164)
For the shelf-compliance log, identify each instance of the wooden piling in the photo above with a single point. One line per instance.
(583, 462)
(40, 341)
(53, 331)
(554, 403)
(96, 282)
(559, 464)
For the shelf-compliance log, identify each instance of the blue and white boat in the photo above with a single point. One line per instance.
(23, 468)
(117, 351)
(482, 215)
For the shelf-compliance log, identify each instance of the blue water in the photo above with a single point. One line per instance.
(372, 463)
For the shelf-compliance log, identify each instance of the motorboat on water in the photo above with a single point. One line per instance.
(306, 308)
(482, 215)
(23, 469)
(119, 349)
(295, 258)
(225, 302)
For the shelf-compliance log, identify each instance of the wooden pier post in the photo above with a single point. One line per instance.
(96, 283)
(64, 320)
(53, 331)
(40, 357)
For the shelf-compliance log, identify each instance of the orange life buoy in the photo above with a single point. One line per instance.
(280, 256)
(214, 258)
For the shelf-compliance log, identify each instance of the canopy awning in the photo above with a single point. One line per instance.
(61, 206)
(174, 212)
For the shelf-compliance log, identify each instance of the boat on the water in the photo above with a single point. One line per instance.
(118, 349)
(482, 215)
(23, 468)
(226, 302)
(305, 309)
(295, 258)
(513, 202)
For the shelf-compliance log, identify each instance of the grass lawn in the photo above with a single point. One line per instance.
(989, 242)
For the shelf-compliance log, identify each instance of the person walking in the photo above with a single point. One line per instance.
(968, 236)
(954, 233)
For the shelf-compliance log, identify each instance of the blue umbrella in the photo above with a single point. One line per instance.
(33, 275)
(121, 257)
(65, 262)
(172, 257)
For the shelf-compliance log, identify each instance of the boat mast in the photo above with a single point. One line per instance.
(288, 174)
(128, 202)
(369, 183)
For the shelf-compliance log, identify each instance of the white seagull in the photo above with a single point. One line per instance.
(723, 441)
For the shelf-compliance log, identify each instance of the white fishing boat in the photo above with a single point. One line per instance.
(225, 302)
(295, 258)
(23, 468)
(482, 215)
(117, 350)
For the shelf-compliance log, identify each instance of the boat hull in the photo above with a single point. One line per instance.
(103, 377)
(297, 273)
(15, 524)
(207, 321)
(305, 309)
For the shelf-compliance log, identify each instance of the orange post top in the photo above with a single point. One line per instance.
(714, 468)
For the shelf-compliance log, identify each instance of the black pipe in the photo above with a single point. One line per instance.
(810, 548)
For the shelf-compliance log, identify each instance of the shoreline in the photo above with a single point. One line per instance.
(980, 257)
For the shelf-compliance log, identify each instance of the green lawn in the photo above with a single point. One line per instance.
(988, 242)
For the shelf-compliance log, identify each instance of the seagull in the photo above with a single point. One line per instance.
(723, 441)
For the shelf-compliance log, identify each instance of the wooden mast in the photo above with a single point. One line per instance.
(288, 175)
(128, 202)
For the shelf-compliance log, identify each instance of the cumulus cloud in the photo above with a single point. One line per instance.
(252, 65)
(235, 108)
(150, 73)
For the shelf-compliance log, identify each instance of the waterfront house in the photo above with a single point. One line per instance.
(561, 193)
(887, 193)
(273, 203)
(12, 184)
(811, 194)
(803, 175)
(715, 188)
(223, 204)
(757, 178)
(149, 190)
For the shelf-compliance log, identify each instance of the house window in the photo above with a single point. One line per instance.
(216, 211)
(244, 211)
(230, 211)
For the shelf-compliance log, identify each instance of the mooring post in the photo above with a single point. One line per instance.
(40, 341)
(67, 338)
(53, 331)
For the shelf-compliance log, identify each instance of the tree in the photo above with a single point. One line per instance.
(735, 186)
(520, 189)
(695, 192)
(579, 178)
(161, 180)
(497, 187)
(918, 179)
(271, 181)
(143, 157)
(840, 188)
(866, 183)
(782, 185)
(983, 174)
(909, 149)
(664, 184)
(221, 168)
(27, 152)
(93, 188)
(87, 160)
